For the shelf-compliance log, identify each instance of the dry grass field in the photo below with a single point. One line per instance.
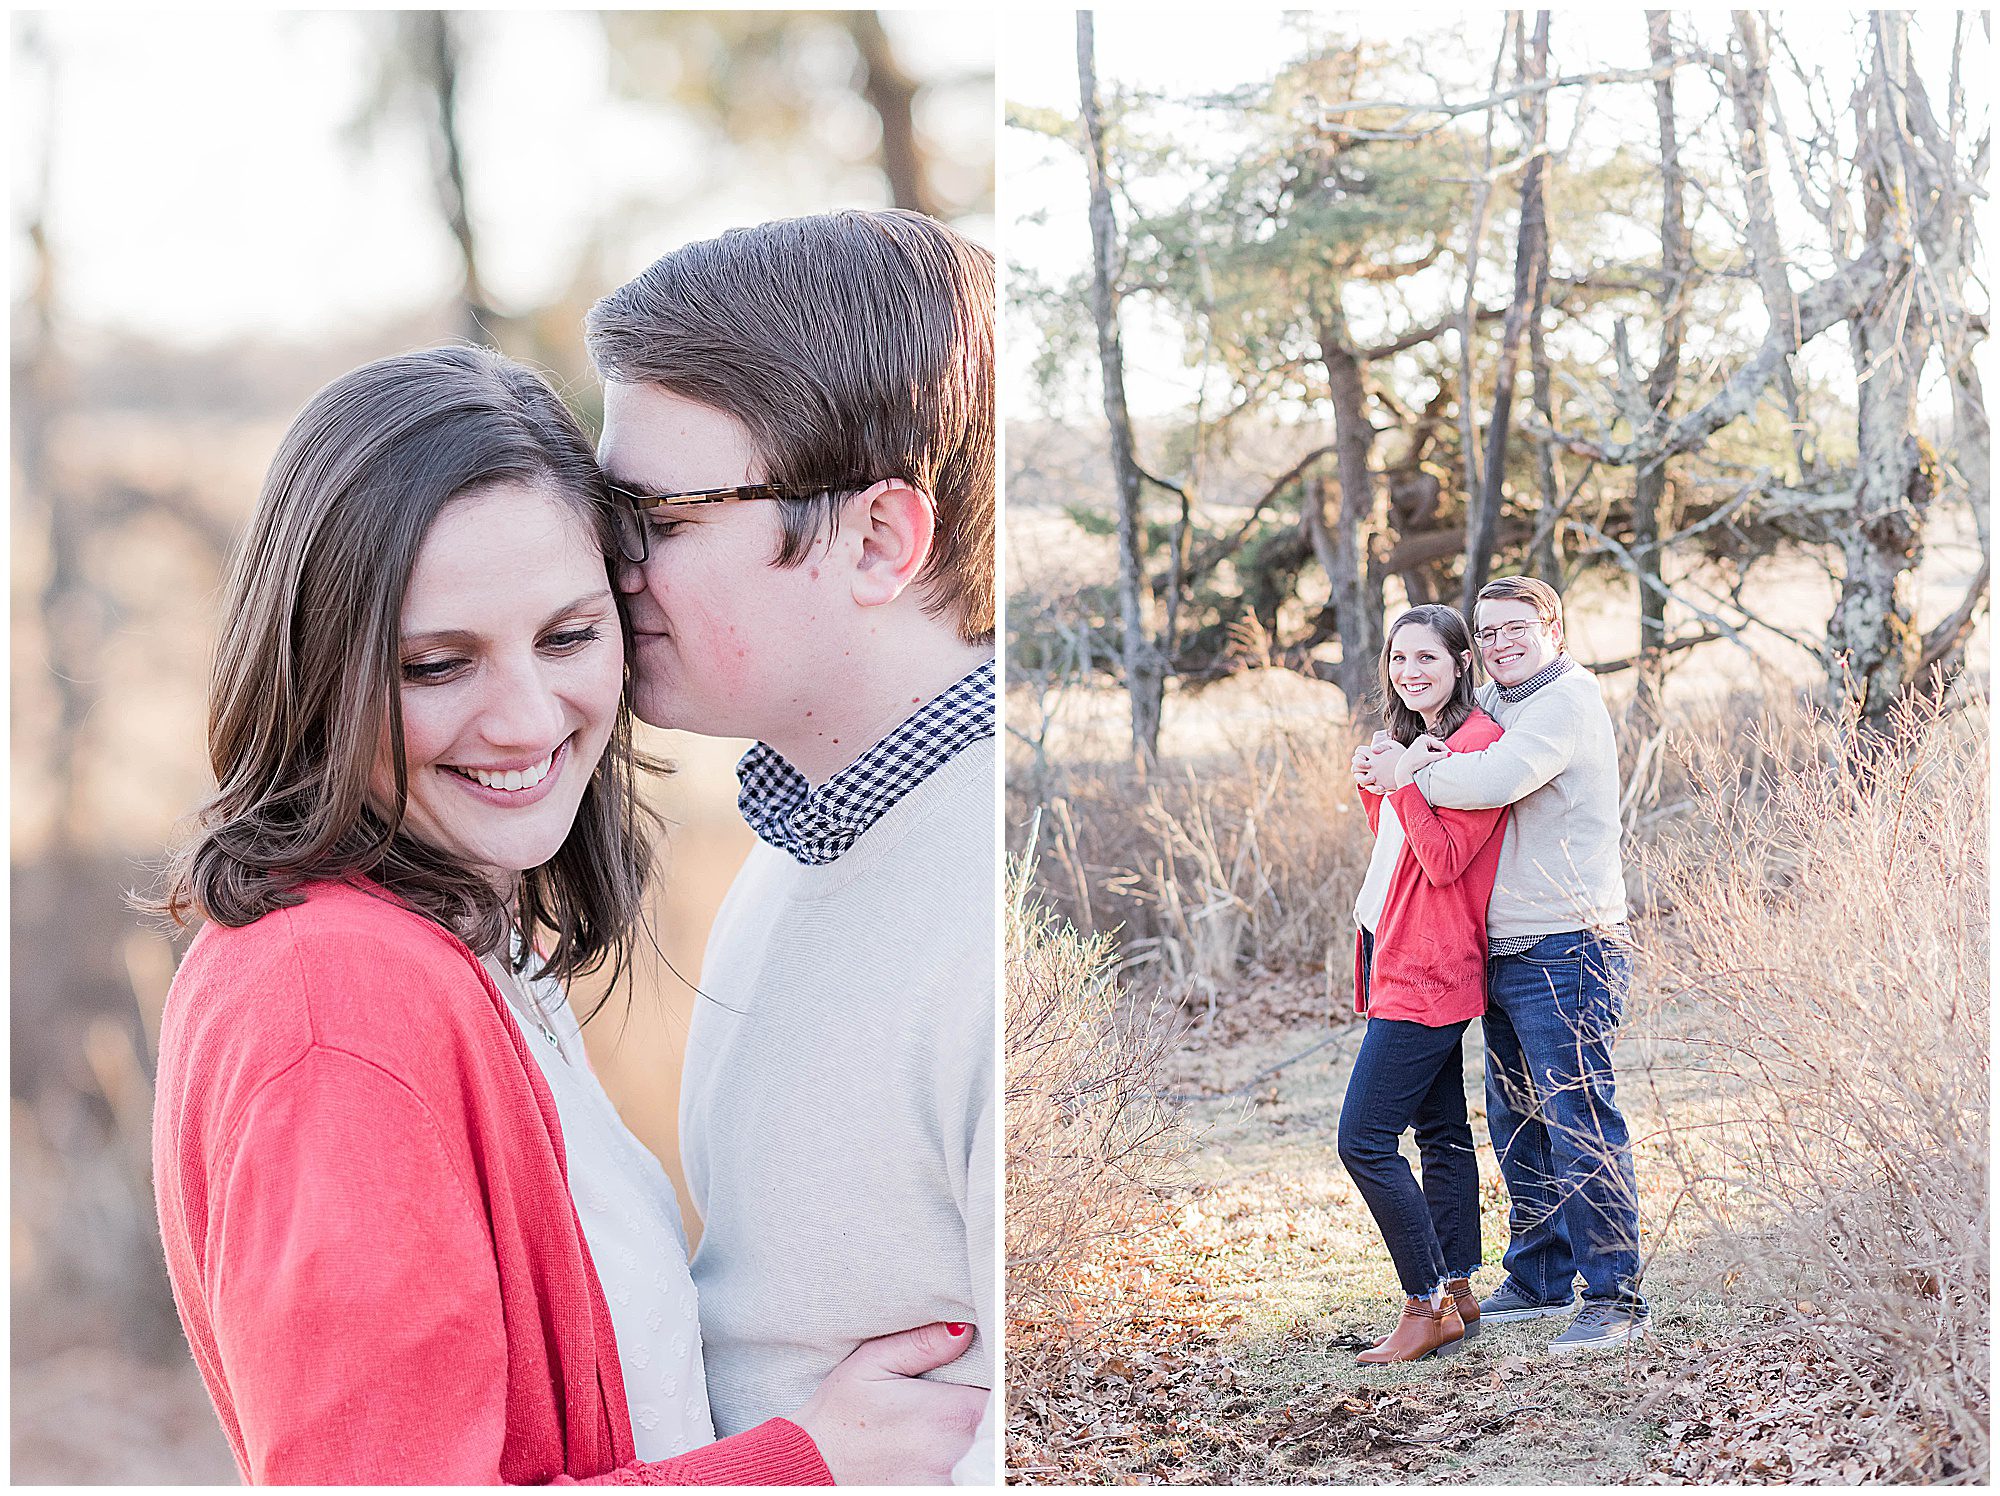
(1809, 1111)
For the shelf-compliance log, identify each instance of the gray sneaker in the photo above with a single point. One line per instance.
(1601, 1326)
(1509, 1303)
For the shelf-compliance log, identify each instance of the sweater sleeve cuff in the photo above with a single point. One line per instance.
(1403, 794)
(776, 1452)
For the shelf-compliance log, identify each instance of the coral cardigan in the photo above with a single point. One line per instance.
(1430, 947)
(368, 1225)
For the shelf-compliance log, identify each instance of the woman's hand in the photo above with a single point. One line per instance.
(1370, 760)
(876, 1424)
(1425, 750)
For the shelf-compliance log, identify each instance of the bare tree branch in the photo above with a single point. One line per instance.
(1672, 646)
(1823, 305)
(1429, 332)
(1398, 269)
(1944, 643)
(1403, 129)
(1626, 559)
(1223, 550)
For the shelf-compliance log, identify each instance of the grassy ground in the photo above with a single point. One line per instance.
(1266, 1275)
(1321, 1287)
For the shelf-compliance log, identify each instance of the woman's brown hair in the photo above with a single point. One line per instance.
(1404, 725)
(306, 680)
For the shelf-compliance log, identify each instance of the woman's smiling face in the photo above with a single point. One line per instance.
(1422, 669)
(511, 667)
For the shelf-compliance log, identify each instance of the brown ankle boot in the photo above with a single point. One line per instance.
(1420, 1331)
(1460, 1291)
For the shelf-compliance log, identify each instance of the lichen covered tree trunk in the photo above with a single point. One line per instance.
(1482, 525)
(1649, 485)
(1145, 670)
(1873, 643)
(1341, 542)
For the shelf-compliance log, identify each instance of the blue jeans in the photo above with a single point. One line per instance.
(1410, 1075)
(1551, 1014)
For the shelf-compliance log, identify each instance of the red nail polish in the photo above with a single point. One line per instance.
(955, 1329)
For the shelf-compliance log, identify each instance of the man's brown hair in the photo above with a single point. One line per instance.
(307, 681)
(1545, 600)
(853, 346)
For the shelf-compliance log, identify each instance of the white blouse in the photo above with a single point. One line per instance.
(1374, 896)
(632, 1222)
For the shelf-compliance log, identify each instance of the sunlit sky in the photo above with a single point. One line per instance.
(1185, 54)
(200, 188)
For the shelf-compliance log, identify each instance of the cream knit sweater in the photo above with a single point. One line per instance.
(838, 1118)
(1557, 766)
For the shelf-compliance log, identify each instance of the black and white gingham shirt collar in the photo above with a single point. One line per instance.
(815, 826)
(1535, 682)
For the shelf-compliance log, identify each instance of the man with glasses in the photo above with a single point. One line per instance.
(798, 431)
(1558, 966)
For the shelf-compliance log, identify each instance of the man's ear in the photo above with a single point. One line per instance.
(1556, 634)
(894, 523)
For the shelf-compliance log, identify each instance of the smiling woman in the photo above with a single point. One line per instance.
(386, 507)
(1420, 952)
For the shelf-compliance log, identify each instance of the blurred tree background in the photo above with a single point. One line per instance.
(213, 217)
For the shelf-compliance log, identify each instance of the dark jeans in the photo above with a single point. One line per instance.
(1410, 1075)
(1551, 1014)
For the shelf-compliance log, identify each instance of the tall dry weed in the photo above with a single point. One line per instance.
(1819, 943)
(1090, 1144)
(1251, 855)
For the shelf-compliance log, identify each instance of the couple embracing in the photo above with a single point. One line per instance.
(1495, 890)
(409, 1237)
